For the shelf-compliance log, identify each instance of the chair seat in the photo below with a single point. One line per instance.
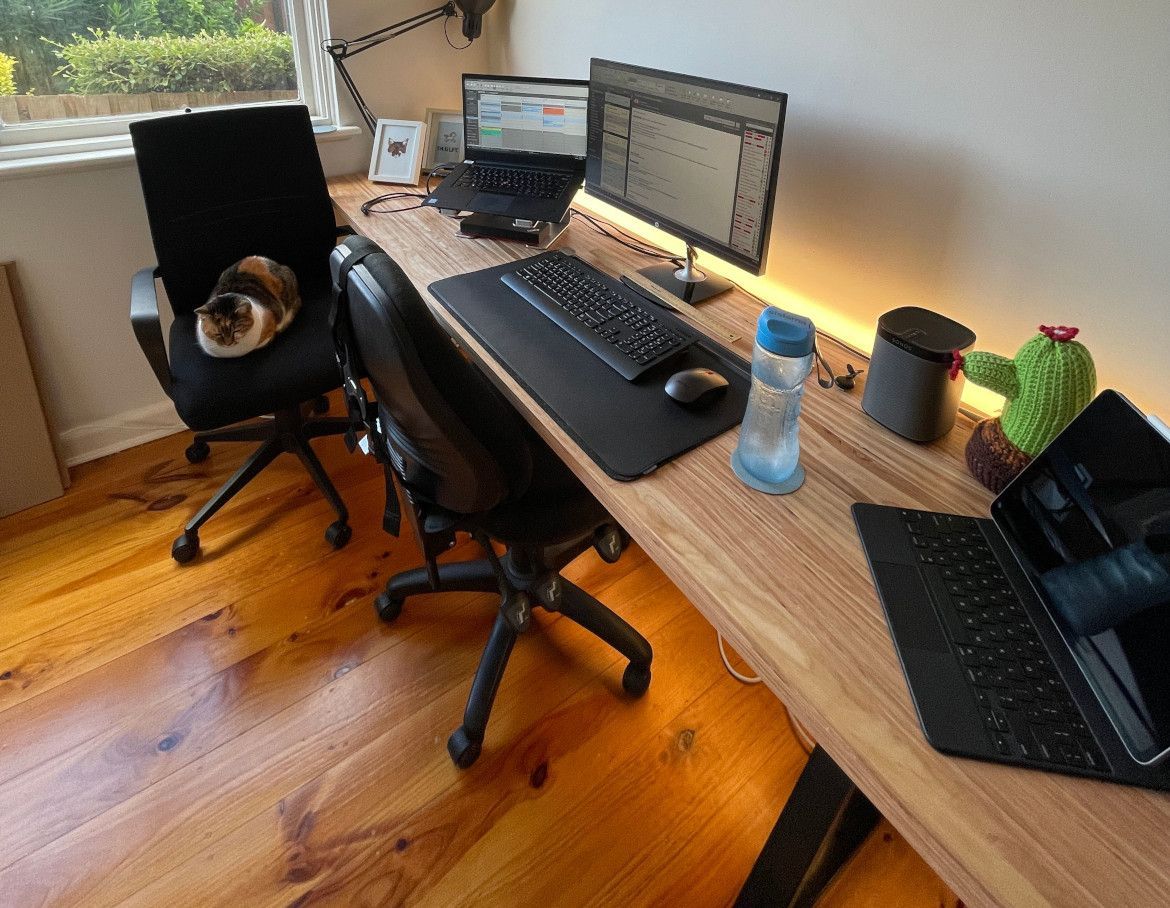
(297, 366)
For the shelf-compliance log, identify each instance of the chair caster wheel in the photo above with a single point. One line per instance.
(197, 452)
(636, 679)
(185, 548)
(338, 533)
(388, 607)
(321, 406)
(462, 749)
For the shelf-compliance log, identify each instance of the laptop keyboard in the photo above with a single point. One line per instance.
(540, 184)
(622, 332)
(1026, 709)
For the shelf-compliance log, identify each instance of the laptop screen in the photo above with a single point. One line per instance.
(1089, 521)
(531, 116)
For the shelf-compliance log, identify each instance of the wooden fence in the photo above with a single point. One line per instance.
(30, 108)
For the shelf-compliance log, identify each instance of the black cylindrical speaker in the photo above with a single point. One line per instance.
(909, 389)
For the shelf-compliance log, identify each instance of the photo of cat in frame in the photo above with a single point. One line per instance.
(398, 151)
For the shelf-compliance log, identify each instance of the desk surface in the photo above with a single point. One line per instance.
(785, 580)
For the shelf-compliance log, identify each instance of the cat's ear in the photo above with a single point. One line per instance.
(203, 310)
(243, 306)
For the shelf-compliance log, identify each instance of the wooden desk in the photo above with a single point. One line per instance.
(784, 579)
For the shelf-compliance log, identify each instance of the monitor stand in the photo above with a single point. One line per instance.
(541, 234)
(688, 283)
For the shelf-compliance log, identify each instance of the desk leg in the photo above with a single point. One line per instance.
(825, 820)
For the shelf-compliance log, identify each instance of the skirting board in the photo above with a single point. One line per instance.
(108, 436)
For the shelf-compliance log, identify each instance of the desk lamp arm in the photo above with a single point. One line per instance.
(341, 49)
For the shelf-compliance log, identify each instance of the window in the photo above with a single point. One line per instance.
(75, 73)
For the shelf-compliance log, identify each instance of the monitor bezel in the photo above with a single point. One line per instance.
(551, 158)
(699, 240)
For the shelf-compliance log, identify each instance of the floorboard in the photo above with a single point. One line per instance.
(244, 731)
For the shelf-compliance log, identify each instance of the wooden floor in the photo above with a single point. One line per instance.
(244, 731)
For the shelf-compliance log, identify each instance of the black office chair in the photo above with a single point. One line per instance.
(467, 462)
(220, 186)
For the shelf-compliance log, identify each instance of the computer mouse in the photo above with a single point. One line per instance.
(695, 387)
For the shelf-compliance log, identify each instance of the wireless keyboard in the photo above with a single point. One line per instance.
(615, 324)
(1026, 709)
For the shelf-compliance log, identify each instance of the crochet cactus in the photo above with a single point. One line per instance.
(1050, 380)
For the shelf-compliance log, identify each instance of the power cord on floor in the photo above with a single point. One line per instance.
(744, 679)
(803, 738)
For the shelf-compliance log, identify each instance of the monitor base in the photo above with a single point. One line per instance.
(687, 291)
(541, 234)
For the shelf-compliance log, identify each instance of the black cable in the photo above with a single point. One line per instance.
(600, 228)
(368, 206)
(642, 246)
(448, 37)
(629, 236)
(845, 382)
(441, 171)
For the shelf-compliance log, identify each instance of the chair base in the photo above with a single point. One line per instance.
(537, 584)
(287, 432)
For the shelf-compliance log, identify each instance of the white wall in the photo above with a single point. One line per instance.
(1005, 163)
(78, 236)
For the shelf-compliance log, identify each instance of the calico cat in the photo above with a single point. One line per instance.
(253, 301)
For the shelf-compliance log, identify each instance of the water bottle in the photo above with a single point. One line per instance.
(768, 455)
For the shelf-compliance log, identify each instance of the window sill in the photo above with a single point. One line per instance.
(81, 158)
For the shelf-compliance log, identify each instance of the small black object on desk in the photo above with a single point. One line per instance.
(541, 234)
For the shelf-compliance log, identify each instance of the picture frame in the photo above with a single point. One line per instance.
(444, 138)
(398, 151)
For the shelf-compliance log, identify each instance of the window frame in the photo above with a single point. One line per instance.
(308, 25)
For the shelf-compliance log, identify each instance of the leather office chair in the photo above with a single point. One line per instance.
(467, 462)
(220, 186)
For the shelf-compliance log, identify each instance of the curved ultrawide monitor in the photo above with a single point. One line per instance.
(695, 157)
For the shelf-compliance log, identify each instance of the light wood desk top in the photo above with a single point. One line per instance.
(785, 580)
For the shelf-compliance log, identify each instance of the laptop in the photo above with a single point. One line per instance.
(1041, 637)
(525, 141)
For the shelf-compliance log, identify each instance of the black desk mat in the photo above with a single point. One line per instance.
(628, 428)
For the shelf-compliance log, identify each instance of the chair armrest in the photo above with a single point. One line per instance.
(147, 327)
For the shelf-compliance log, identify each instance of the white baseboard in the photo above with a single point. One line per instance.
(108, 436)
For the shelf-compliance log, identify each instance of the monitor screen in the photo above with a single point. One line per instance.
(1089, 520)
(530, 116)
(696, 157)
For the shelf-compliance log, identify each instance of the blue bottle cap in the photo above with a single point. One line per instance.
(784, 333)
